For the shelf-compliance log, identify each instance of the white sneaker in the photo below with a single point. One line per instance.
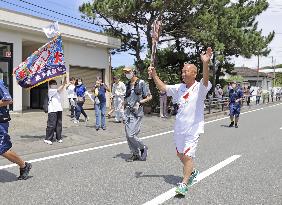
(86, 119)
(75, 121)
(48, 142)
(60, 141)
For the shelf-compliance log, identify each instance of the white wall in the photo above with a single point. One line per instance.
(84, 56)
(80, 55)
(15, 38)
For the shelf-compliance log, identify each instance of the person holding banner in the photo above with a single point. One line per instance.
(5, 141)
(189, 123)
(55, 112)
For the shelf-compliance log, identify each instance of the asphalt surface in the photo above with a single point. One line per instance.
(101, 176)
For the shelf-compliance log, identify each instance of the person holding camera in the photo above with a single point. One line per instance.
(100, 90)
(5, 141)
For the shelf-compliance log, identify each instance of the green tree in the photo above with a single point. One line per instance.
(229, 27)
(129, 20)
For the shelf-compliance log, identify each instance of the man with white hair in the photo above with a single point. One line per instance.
(189, 123)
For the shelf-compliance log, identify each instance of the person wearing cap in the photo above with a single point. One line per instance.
(235, 98)
(137, 93)
(189, 123)
(118, 92)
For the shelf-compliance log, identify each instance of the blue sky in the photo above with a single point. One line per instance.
(268, 21)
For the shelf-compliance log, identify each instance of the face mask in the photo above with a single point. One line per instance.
(79, 83)
(129, 76)
(53, 86)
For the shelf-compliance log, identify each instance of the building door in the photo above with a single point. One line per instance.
(37, 96)
(6, 66)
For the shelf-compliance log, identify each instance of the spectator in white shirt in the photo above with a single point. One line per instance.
(71, 95)
(118, 92)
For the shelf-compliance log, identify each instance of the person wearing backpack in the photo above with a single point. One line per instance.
(55, 112)
(5, 140)
(137, 93)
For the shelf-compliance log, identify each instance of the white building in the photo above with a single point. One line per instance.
(86, 54)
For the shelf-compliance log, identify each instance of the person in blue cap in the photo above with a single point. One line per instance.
(235, 98)
(5, 141)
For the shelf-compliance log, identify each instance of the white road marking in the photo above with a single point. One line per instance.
(115, 144)
(171, 193)
(280, 128)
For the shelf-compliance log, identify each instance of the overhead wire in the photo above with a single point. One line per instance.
(53, 17)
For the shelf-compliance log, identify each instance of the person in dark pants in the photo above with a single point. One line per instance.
(55, 109)
(235, 98)
(5, 141)
(80, 90)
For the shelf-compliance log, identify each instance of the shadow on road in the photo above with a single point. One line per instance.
(6, 176)
(170, 179)
(38, 136)
(227, 126)
(122, 156)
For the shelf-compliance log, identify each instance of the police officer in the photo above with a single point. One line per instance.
(137, 93)
(5, 142)
(235, 98)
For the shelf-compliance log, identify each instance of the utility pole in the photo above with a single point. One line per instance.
(273, 67)
(214, 71)
(258, 72)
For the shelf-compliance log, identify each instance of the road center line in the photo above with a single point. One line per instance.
(118, 143)
(171, 193)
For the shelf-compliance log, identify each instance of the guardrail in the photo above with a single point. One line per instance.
(217, 104)
(213, 105)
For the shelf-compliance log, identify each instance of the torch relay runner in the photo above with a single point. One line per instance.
(189, 123)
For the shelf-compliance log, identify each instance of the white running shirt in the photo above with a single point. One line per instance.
(190, 116)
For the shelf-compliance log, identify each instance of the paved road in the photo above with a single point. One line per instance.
(101, 176)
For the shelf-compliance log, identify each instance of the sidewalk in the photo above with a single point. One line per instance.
(27, 130)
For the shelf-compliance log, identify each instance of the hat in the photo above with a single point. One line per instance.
(128, 69)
